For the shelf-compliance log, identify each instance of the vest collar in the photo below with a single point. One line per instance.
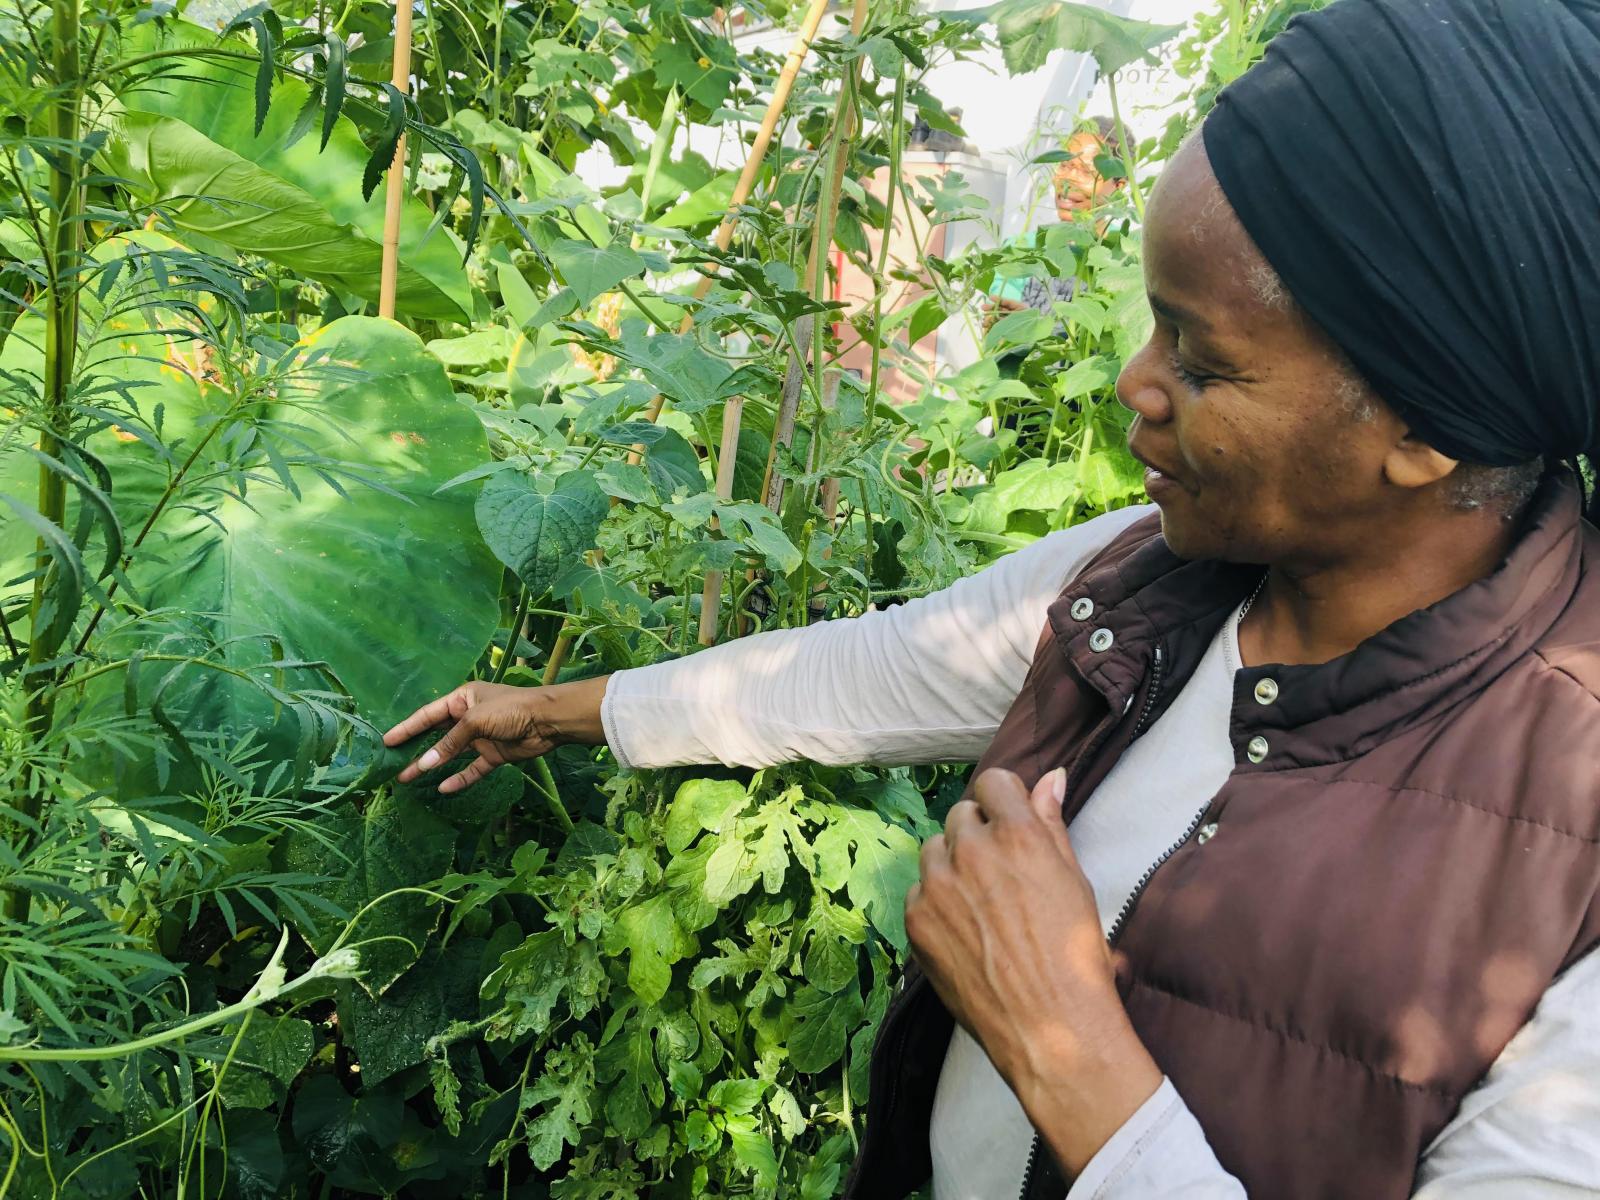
(1109, 625)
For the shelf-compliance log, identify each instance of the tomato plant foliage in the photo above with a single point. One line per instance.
(245, 524)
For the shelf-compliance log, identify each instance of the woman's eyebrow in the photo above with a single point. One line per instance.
(1179, 315)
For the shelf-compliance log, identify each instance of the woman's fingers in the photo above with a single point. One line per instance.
(963, 819)
(476, 770)
(425, 718)
(451, 744)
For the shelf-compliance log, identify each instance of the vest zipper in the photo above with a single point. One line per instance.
(1156, 668)
(1033, 1162)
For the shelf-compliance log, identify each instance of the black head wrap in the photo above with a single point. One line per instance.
(1425, 177)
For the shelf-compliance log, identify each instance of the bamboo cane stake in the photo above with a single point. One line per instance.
(794, 382)
(752, 167)
(558, 659)
(711, 594)
(401, 78)
(810, 344)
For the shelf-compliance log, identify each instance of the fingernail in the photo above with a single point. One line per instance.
(429, 760)
(1058, 785)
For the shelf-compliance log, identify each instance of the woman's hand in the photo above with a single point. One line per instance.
(503, 724)
(1004, 922)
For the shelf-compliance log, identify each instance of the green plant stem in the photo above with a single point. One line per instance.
(138, 60)
(658, 152)
(1129, 156)
(5, 630)
(432, 19)
(252, 1000)
(61, 343)
(516, 632)
(547, 785)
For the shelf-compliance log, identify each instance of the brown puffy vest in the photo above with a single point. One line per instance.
(1405, 856)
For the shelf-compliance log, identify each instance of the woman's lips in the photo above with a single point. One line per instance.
(1158, 484)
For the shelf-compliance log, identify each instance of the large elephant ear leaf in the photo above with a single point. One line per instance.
(541, 535)
(1031, 30)
(361, 567)
(188, 141)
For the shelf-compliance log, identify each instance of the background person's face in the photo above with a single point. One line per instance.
(1238, 402)
(1078, 182)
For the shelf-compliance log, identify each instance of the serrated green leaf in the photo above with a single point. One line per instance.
(700, 805)
(654, 940)
(875, 861)
(564, 1088)
(627, 1062)
(538, 975)
(394, 843)
(819, 1025)
(754, 525)
(391, 1032)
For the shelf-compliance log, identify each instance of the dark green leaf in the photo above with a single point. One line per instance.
(540, 535)
(333, 83)
(383, 151)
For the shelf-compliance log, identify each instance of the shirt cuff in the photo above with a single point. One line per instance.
(608, 721)
(1159, 1153)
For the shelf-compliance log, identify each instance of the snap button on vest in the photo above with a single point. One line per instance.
(1206, 833)
(1100, 640)
(1082, 608)
(1257, 749)
(1266, 691)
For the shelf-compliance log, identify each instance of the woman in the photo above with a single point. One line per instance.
(1280, 873)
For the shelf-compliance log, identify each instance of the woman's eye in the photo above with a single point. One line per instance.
(1194, 380)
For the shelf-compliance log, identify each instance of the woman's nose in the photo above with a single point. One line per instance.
(1140, 390)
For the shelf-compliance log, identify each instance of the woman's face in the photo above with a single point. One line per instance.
(1078, 182)
(1245, 413)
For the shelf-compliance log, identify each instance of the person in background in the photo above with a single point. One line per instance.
(1080, 188)
(1279, 872)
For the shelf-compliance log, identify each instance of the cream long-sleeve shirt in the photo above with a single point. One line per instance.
(929, 681)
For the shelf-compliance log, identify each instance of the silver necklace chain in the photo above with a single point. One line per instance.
(1234, 658)
(1251, 598)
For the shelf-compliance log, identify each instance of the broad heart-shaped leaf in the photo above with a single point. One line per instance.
(1031, 486)
(541, 535)
(350, 580)
(391, 1032)
(272, 1052)
(187, 142)
(395, 843)
(590, 270)
(679, 367)
(330, 1123)
(1030, 30)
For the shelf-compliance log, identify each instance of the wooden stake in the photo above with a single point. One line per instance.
(783, 423)
(752, 167)
(558, 659)
(401, 78)
(711, 595)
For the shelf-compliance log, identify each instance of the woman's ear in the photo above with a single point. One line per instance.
(1412, 463)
